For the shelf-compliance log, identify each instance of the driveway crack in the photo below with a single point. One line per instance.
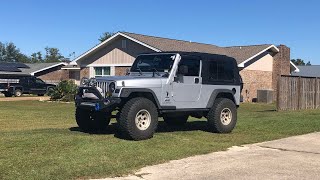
(290, 150)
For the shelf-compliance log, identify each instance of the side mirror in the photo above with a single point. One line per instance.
(127, 71)
(183, 70)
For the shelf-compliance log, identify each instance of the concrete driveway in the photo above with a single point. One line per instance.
(290, 158)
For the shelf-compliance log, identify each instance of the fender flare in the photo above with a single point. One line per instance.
(215, 93)
(126, 92)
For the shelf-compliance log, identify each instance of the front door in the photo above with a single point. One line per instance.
(187, 83)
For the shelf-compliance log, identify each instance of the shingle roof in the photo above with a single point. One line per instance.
(308, 71)
(32, 68)
(240, 53)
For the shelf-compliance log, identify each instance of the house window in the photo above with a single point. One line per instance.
(124, 44)
(102, 71)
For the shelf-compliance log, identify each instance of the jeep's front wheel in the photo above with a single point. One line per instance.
(175, 119)
(138, 119)
(89, 120)
(222, 117)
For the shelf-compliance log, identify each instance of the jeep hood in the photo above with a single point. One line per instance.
(134, 81)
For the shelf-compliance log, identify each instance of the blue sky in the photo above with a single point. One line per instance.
(75, 26)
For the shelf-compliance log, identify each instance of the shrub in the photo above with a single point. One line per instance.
(64, 91)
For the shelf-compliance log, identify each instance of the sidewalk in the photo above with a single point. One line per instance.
(295, 157)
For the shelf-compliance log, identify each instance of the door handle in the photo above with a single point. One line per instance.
(196, 80)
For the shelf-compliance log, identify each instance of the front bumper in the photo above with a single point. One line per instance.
(97, 103)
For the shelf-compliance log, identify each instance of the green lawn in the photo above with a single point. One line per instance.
(39, 140)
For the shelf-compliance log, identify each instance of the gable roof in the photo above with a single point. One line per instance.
(240, 53)
(158, 44)
(308, 71)
(33, 68)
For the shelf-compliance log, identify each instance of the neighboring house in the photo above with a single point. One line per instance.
(48, 72)
(260, 65)
(308, 71)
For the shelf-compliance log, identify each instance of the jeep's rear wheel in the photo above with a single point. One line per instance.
(175, 119)
(138, 119)
(222, 117)
(89, 120)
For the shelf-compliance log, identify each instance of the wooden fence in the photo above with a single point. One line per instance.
(294, 93)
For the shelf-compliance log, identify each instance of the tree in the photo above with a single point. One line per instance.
(53, 55)
(105, 36)
(2, 51)
(36, 57)
(300, 62)
(10, 53)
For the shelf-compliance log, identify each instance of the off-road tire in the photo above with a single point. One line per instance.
(89, 120)
(175, 120)
(215, 116)
(128, 115)
(17, 93)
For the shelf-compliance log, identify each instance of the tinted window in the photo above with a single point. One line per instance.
(39, 81)
(220, 70)
(193, 65)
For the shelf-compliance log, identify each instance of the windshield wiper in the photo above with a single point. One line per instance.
(155, 71)
(139, 70)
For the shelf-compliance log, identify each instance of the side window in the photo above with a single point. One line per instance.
(220, 70)
(39, 81)
(189, 66)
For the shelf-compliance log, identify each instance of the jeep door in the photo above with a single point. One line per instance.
(186, 86)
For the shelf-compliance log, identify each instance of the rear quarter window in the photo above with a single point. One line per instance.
(218, 71)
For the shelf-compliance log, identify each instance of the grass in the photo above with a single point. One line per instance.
(39, 140)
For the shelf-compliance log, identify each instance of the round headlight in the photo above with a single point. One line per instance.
(85, 81)
(93, 82)
(112, 87)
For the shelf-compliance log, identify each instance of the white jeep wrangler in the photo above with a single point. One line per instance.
(172, 85)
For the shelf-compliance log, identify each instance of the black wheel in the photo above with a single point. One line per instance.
(222, 117)
(7, 94)
(88, 120)
(175, 119)
(138, 119)
(49, 90)
(17, 93)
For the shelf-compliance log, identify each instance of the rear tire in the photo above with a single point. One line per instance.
(17, 93)
(175, 120)
(222, 117)
(138, 119)
(89, 120)
(49, 90)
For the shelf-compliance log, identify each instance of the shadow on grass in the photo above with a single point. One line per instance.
(268, 110)
(162, 128)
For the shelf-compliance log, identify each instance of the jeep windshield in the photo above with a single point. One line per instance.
(158, 63)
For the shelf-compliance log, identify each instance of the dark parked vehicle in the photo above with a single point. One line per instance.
(18, 85)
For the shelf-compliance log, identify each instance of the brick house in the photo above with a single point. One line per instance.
(260, 65)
